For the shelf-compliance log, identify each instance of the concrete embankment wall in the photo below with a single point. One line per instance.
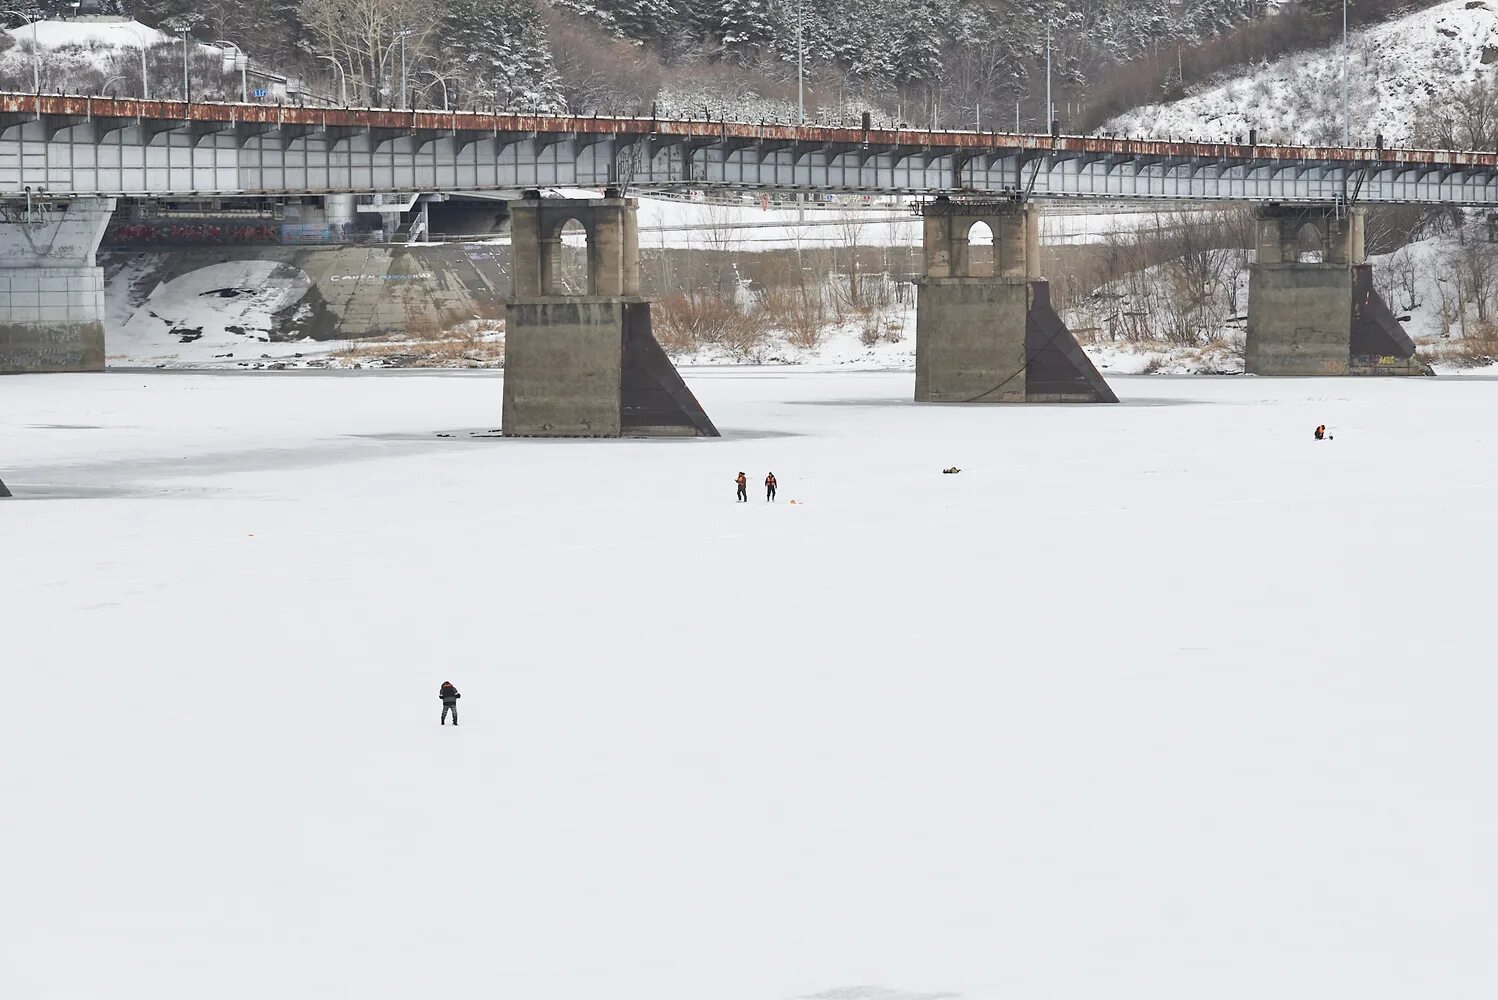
(324, 292)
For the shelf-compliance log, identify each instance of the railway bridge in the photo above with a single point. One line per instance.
(985, 334)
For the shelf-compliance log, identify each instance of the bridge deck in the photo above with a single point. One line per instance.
(124, 147)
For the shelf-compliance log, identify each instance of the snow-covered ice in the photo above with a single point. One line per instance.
(1161, 700)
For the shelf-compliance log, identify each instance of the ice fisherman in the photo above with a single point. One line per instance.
(449, 696)
(743, 483)
(770, 485)
(1321, 432)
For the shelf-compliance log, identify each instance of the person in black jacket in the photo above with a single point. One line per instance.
(449, 696)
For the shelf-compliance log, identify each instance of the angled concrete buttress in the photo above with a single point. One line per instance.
(1312, 306)
(51, 290)
(3, 491)
(581, 360)
(985, 329)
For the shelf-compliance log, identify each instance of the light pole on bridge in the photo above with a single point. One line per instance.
(439, 78)
(342, 80)
(243, 62)
(145, 87)
(186, 80)
(402, 35)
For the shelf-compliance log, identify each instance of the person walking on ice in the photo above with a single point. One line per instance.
(770, 485)
(743, 484)
(449, 696)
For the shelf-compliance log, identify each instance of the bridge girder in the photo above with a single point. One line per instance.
(239, 149)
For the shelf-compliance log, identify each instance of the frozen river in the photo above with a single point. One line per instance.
(1160, 700)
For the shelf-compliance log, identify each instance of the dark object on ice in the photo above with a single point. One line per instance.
(951, 472)
(3, 491)
(449, 696)
(1321, 432)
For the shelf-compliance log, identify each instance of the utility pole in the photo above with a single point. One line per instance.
(801, 60)
(801, 121)
(1347, 125)
(186, 83)
(1050, 109)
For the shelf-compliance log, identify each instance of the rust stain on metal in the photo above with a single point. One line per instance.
(937, 143)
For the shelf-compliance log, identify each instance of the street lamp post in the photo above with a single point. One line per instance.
(36, 65)
(438, 77)
(244, 69)
(145, 89)
(342, 80)
(104, 90)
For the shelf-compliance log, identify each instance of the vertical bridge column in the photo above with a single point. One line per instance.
(586, 364)
(51, 290)
(1312, 307)
(986, 331)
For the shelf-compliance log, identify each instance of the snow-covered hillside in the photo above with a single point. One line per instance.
(1396, 67)
(101, 34)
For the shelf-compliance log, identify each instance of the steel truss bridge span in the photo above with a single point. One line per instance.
(93, 146)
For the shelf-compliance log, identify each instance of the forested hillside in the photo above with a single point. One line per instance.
(948, 63)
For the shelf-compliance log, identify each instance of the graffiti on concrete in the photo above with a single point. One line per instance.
(179, 232)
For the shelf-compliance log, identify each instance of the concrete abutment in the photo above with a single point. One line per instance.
(51, 288)
(985, 330)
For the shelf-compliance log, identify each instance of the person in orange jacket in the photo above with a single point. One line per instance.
(770, 485)
(743, 484)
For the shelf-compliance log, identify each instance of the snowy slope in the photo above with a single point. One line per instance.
(1140, 706)
(103, 34)
(1395, 67)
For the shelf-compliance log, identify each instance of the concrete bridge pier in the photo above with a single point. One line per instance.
(51, 290)
(1312, 305)
(581, 359)
(985, 328)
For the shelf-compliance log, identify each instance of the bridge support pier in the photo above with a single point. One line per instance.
(985, 329)
(51, 291)
(1312, 306)
(581, 359)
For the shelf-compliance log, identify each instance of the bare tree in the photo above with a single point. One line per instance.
(1462, 118)
(850, 222)
(365, 36)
